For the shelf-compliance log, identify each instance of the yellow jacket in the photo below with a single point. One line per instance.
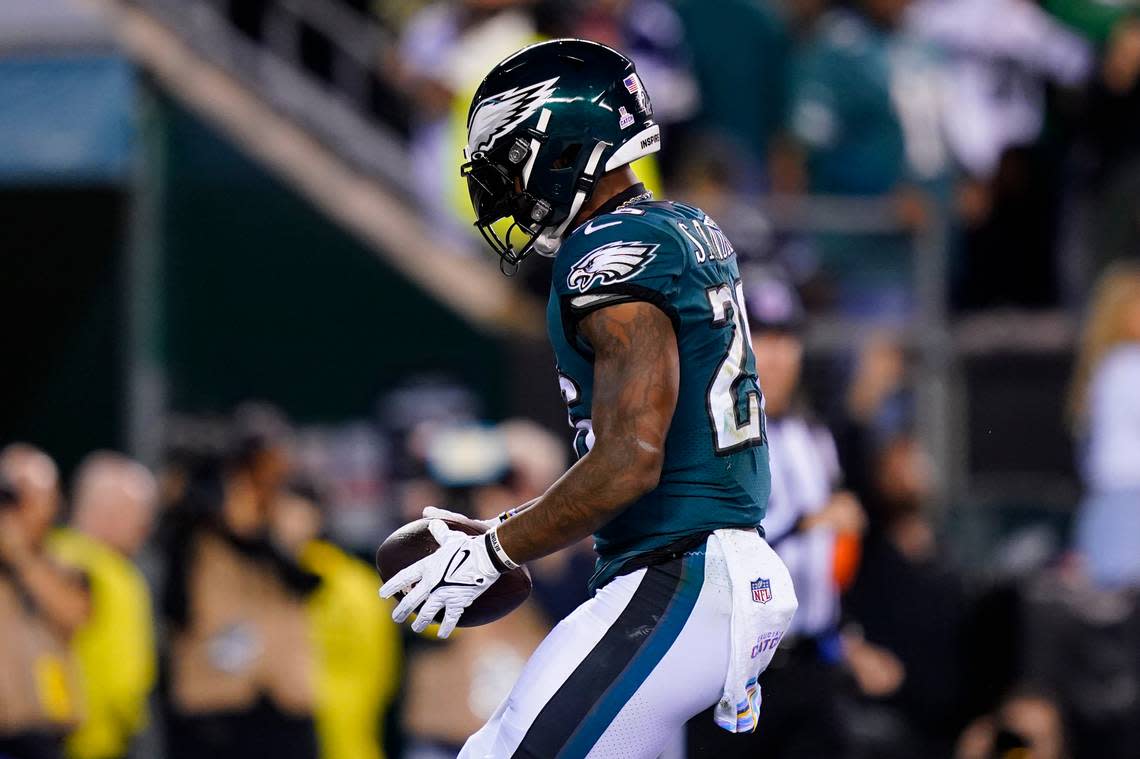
(358, 653)
(114, 649)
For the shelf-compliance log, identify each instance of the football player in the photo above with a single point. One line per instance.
(650, 333)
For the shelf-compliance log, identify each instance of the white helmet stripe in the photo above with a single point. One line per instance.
(543, 121)
(595, 156)
(643, 143)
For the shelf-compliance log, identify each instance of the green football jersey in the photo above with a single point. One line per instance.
(715, 472)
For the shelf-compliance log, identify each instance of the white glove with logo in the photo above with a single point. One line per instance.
(449, 579)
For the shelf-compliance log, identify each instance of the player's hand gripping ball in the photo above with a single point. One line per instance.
(439, 565)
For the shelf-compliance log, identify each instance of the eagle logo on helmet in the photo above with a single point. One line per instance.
(499, 114)
(613, 262)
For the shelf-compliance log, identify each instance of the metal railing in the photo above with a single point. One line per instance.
(942, 345)
(927, 334)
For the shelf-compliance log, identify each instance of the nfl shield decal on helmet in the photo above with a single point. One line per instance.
(615, 262)
(761, 590)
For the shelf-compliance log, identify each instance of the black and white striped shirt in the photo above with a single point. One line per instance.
(805, 473)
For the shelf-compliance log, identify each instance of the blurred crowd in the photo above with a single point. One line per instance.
(206, 609)
(1004, 129)
(215, 608)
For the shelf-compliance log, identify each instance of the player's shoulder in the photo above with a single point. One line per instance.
(622, 244)
(651, 222)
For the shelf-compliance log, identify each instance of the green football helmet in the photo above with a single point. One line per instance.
(543, 126)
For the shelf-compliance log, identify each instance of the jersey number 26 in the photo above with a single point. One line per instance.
(735, 403)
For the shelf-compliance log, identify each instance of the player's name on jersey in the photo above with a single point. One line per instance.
(709, 243)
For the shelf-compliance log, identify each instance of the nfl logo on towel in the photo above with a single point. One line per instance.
(761, 590)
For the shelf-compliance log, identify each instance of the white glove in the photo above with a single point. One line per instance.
(449, 579)
(431, 512)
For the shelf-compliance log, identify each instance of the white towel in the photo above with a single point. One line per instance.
(763, 603)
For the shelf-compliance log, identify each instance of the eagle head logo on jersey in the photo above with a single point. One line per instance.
(499, 114)
(613, 262)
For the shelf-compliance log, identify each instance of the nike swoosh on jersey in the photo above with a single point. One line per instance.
(592, 227)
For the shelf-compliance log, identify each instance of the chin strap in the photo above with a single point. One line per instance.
(549, 240)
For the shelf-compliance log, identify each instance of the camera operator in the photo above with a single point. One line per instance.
(241, 663)
(41, 606)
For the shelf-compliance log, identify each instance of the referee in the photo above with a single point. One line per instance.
(808, 516)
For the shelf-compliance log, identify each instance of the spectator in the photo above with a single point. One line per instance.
(847, 103)
(241, 663)
(740, 50)
(263, 450)
(444, 51)
(874, 391)
(1112, 26)
(995, 90)
(113, 506)
(1102, 215)
(358, 645)
(1027, 725)
(1083, 644)
(476, 666)
(907, 614)
(1105, 410)
(808, 517)
(865, 120)
(996, 72)
(42, 605)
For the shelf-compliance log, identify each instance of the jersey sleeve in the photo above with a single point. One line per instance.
(618, 258)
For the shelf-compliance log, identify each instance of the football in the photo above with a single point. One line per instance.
(414, 541)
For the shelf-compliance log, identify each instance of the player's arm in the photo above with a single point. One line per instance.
(636, 377)
(636, 380)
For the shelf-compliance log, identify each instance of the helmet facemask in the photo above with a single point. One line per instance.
(542, 200)
(495, 182)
